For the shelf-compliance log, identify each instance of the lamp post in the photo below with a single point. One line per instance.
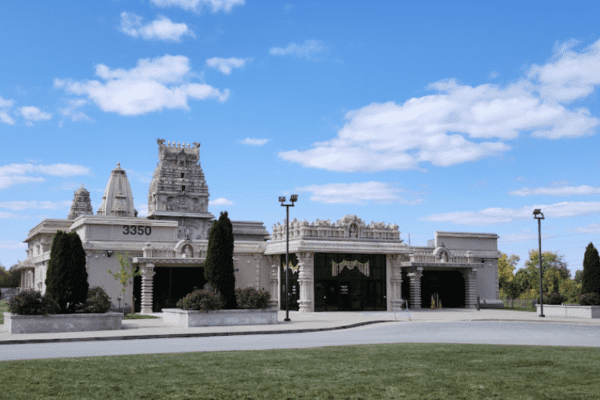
(537, 214)
(293, 199)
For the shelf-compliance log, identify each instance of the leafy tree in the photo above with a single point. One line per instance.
(67, 278)
(555, 272)
(571, 290)
(578, 276)
(506, 266)
(125, 276)
(590, 282)
(218, 267)
(14, 277)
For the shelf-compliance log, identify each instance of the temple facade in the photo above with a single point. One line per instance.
(347, 265)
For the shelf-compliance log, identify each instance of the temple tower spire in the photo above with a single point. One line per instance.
(118, 198)
(178, 191)
(81, 204)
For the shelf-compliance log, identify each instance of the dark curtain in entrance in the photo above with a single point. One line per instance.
(170, 285)
(350, 290)
(294, 286)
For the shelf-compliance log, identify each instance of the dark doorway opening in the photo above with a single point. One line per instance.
(294, 286)
(350, 289)
(170, 285)
(448, 285)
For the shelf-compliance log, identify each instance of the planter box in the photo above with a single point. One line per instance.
(15, 323)
(192, 318)
(572, 311)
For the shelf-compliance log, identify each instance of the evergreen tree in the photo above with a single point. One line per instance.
(67, 278)
(218, 267)
(590, 280)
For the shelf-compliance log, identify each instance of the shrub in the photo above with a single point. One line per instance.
(554, 298)
(97, 301)
(251, 298)
(218, 267)
(202, 300)
(67, 278)
(589, 299)
(31, 302)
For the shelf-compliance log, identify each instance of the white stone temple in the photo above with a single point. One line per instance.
(347, 265)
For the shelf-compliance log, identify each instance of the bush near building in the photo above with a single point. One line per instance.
(202, 300)
(251, 298)
(218, 267)
(97, 301)
(67, 278)
(31, 302)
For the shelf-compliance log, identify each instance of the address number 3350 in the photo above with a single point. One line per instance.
(136, 230)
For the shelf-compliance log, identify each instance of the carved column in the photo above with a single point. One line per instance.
(470, 277)
(396, 281)
(415, 288)
(306, 263)
(147, 275)
(274, 282)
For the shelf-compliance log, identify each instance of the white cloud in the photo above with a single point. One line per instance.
(13, 174)
(160, 29)
(570, 75)
(254, 142)
(6, 245)
(557, 191)
(72, 110)
(525, 235)
(142, 210)
(33, 204)
(356, 193)
(220, 202)
(309, 49)
(5, 106)
(226, 65)
(437, 129)
(153, 85)
(589, 228)
(197, 5)
(499, 215)
(31, 113)
(7, 215)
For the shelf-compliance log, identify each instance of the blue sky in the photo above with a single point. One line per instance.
(434, 116)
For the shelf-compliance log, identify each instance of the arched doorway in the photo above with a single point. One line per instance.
(449, 285)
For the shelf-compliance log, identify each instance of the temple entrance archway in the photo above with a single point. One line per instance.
(169, 285)
(448, 285)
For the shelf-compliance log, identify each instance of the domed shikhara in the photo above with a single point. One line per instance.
(118, 199)
(82, 204)
(178, 191)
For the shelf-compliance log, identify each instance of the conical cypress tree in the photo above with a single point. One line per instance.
(218, 267)
(590, 280)
(67, 278)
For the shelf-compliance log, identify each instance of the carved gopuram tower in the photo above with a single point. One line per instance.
(178, 191)
(82, 204)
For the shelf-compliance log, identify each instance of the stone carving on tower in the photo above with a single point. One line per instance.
(118, 198)
(81, 204)
(178, 191)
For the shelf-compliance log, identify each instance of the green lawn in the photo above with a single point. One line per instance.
(392, 371)
(530, 309)
(3, 309)
(139, 316)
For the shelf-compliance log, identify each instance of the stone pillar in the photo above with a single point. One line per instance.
(396, 282)
(274, 282)
(306, 263)
(147, 275)
(415, 288)
(470, 277)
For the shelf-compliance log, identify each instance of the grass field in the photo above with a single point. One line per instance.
(394, 371)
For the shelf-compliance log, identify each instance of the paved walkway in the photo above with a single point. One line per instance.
(300, 322)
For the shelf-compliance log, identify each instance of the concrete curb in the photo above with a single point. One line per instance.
(186, 335)
(536, 321)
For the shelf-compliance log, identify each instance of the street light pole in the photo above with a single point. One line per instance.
(293, 199)
(536, 214)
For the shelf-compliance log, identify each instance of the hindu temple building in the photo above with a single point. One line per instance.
(347, 265)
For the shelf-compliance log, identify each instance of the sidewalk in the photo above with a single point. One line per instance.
(300, 322)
